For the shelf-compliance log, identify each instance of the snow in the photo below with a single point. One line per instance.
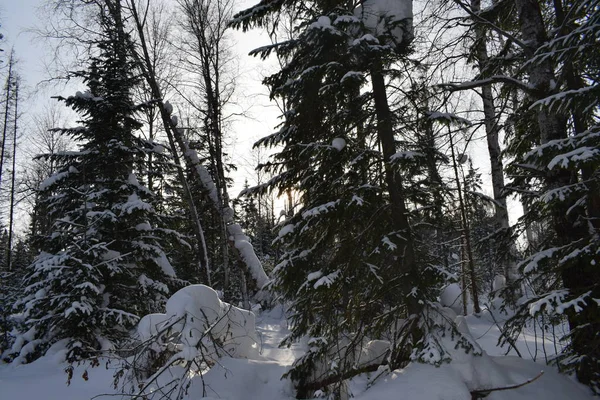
(134, 203)
(243, 245)
(287, 229)
(451, 297)
(338, 143)
(575, 156)
(259, 377)
(203, 314)
(387, 17)
(165, 265)
(321, 209)
(150, 325)
(352, 75)
(51, 180)
(87, 95)
(323, 22)
(405, 155)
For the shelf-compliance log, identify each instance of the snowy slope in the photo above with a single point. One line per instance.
(260, 378)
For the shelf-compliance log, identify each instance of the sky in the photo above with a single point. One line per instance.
(18, 17)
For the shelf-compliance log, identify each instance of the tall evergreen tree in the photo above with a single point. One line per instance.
(557, 159)
(353, 266)
(102, 265)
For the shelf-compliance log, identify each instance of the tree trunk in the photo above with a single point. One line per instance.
(406, 251)
(552, 126)
(8, 94)
(150, 75)
(11, 212)
(466, 231)
(239, 243)
(492, 130)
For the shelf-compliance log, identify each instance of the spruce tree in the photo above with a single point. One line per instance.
(353, 268)
(555, 144)
(102, 265)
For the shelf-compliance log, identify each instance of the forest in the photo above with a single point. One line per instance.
(421, 222)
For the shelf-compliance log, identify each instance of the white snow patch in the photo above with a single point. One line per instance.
(391, 17)
(338, 143)
(451, 297)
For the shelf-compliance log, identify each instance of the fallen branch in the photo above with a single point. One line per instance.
(483, 393)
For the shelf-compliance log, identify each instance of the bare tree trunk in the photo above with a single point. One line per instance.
(239, 243)
(7, 99)
(466, 230)
(150, 75)
(492, 129)
(11, 213)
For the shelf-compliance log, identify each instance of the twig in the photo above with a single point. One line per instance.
(482, 393)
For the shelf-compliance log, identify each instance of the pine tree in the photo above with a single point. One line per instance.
(102, 265)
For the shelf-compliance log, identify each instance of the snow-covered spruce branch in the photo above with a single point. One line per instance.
(478, 18)
(454, 87)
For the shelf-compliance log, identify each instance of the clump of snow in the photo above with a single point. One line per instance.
(143, 226)
(287, 229)
(151, 325)
(247, 254)
(321, 23)
(451, 297)
(499, 283)
(165, 265)
(168, 107)
(51, 180)
(87, 95)
(338, 143)
(204, 320)
(387, 17)
(405, 155)
(352, 75)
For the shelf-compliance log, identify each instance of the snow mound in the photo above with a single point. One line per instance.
(427, 382)
(204, 320)
(451, 297)
(468, 371)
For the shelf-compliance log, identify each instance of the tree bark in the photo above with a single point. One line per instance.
(8, 94)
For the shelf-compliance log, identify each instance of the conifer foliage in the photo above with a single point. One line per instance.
(353, 267)
(557, 160)
(102, 265)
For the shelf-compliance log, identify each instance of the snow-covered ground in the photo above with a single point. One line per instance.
(260, 378)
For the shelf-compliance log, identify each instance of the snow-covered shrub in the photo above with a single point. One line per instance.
(196, 329)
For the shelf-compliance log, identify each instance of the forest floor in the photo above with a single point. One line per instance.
(260, 378)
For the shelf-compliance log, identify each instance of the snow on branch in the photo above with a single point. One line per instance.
(454, 87)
